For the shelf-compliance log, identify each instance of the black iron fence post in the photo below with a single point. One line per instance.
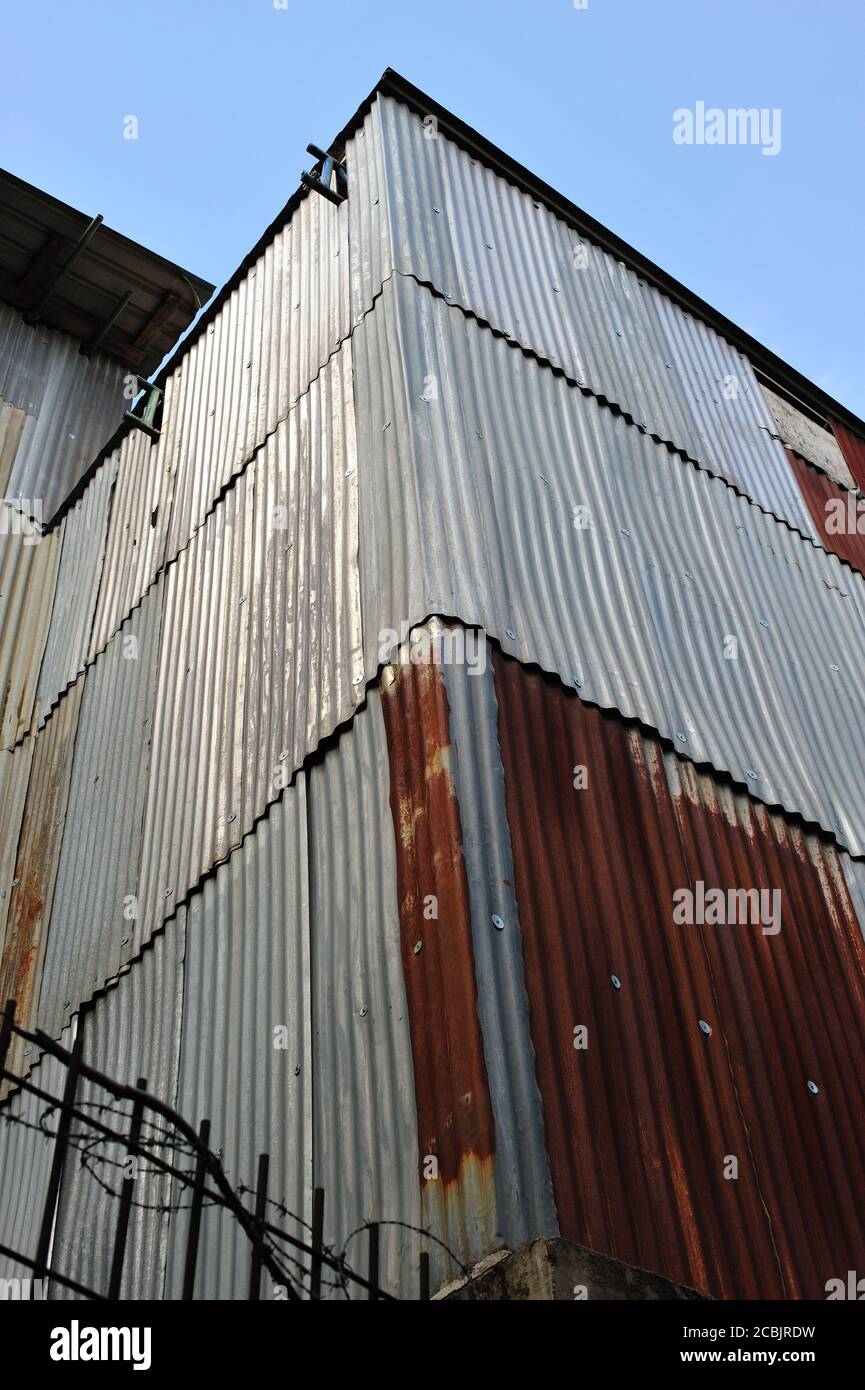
(317, 1241)
(258, 1242)
(61, 1144)
(372, 1273)
(126, 1198)
(195, 1213)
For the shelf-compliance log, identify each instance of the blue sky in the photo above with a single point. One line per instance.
(229, 92)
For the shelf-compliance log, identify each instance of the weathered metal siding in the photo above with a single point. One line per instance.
(641, 1120)
(28, 573)
(41, 835)
(12, 422)
(423, 207)
(82, 547)
(26, 1151)
(365, 1147)
(853, 449)
(247, 975)
(73, 405)
(98, 877)
(132, 1032)
(467, 503)
(824, 498)
(261, 647)
(806, 438)
(14, 777)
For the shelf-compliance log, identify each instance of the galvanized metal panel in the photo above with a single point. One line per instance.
(12, 422)
(132, 1032)
(247, 976)
(82, 548)
(642, 1119)
(839, 513)
(262, 351)
(511, 500)
(26, 1152)
(261, 648)
(365, 1145)
(39, 843)
(28, 573)
(801, 434)
(14, 777)
(98, 890)
(853, 449)
(73, 405)
(423, 207)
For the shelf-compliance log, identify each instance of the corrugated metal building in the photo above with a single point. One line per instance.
(453, 416)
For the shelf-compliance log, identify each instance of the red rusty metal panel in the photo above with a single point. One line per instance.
(638, 1123)
(36, 865)
(454, 1112)
(853, 449)
(793, 1008)
(818, 491)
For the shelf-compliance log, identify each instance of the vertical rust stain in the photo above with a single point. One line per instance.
(853, 449)
(819, 491)
(455, 1121)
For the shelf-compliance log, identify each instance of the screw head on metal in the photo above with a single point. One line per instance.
(418, 947)
(813, 1087)
(682, 737)
(704, 1027)
(510, 633)
(364, 1011)
(617, 984)
(498, 922)
(751, 772)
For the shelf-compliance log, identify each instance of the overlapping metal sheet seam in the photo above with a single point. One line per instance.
(98, 896)
(508, 499)
(246, 1051)
(261, 647)
(81, 538)
(28, 574)
(132, 1032)
(423, 207)
(365, 1146)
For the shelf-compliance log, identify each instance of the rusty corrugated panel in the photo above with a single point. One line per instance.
(792, 1007)
(640, 1122)
(28, 573)
(838, 512)
(424, 207)
(98, 893)
(39, 845)
(454, 1111)
(261, 647)
(853, 449)
(806, 438)
(14, 777)
(495, 492)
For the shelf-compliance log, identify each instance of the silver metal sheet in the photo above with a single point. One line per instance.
(28, 573)
(73, 406)
(801, 434)
(26, 1152)
(424, 207)
(247, 978)
(467, 507)
(261, 649)
(82, 549)
(131, 1033)
(98, 890)
(366, 1146)
(12, 422)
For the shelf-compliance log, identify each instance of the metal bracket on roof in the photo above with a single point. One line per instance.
(321, 183)
(152, 400)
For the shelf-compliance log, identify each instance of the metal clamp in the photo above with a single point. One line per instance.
(321, 183)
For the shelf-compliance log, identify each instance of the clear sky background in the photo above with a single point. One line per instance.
(229, 92)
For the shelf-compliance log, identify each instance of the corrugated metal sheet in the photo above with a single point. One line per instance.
(26, 1151)
(807, 439)
(663, 1102)
(365, 1147)
(81, 539)
(73, 406)
(264, 348)
(831, 506)
(12, 422)
(28, 573)
(424, 207)
(512, 501)
(91, 929)
(14, 777)
(261, 649)
(131, 1032)
(39, 844)
(247, 975)
(853, 449)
